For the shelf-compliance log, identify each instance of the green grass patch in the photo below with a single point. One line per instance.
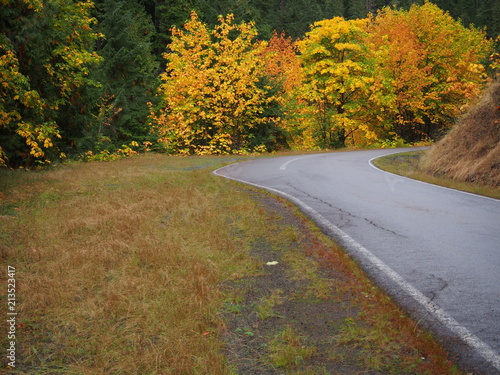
(290, 349)
(267, 304)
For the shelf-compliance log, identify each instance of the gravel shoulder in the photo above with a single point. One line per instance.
(312, 311)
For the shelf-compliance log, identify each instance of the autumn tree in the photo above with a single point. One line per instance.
(337, 78)
(402, 67)
(16, 97)
(46, 54)
(284, 70)
(213, 95)
(432, 63)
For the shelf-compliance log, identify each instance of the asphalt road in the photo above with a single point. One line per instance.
(435, 250)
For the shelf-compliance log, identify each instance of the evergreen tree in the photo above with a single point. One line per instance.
(165, 15)
(128, 74)
(294, 17)
(489, 15)
(297, 16)
(357, 9)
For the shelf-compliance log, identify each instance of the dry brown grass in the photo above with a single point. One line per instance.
(471, 150)
(118, 265)
(408, 164)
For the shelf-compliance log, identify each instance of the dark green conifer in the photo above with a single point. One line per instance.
(128, 74)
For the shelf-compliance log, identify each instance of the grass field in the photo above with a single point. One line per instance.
(152, 265)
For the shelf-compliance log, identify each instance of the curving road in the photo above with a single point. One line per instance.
(435, 250)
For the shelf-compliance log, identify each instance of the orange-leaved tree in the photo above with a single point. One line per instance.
(284, 70)
(432, 64)
(212, 92)
(282, 62)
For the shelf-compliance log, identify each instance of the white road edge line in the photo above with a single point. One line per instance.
(423, 182)
(439, 314)
(285, 165)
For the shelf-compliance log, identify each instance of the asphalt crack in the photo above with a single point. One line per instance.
(433, 294)
(345, 216)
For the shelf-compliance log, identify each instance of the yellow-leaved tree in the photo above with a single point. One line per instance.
(338, 79)
(15, 91)
(213, 93)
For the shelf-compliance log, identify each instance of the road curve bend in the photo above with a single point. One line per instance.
(434, 250)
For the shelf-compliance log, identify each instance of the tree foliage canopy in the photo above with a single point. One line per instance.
(47, 52)
(433, 65)
(101, 77)
(337, 77)
(212, 90)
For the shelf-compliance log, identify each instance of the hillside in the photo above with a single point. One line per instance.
(471, 150)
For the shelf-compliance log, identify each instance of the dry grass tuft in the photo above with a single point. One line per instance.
(471, 150)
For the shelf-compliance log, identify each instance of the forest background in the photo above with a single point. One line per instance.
(105, 78)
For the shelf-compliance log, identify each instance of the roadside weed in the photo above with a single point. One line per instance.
(266, 305)
(289, 349)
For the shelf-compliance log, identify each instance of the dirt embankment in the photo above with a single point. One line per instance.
(471, 150)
